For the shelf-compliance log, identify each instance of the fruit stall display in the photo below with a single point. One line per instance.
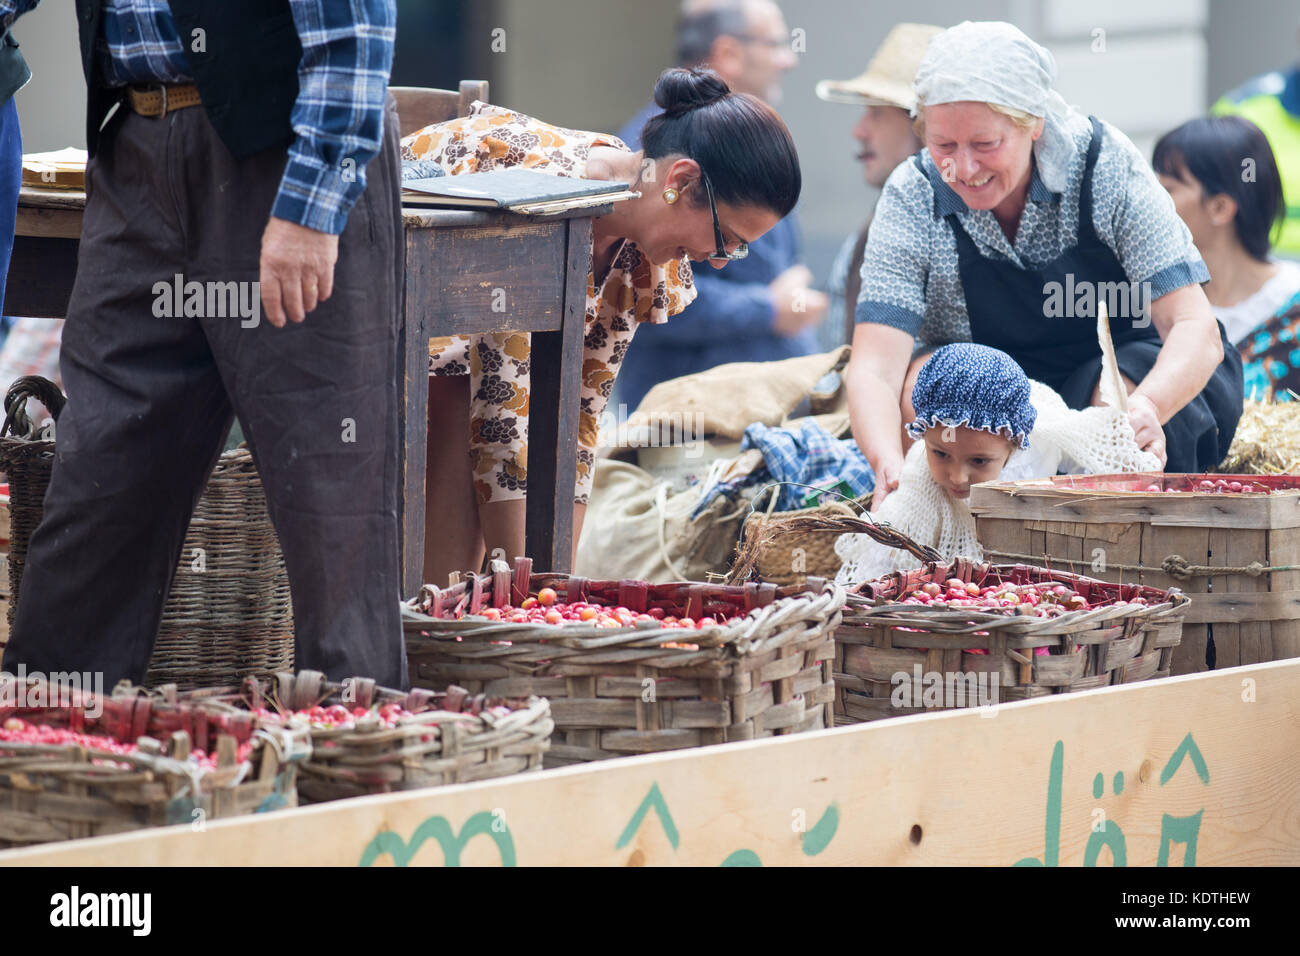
(1037, 631)
(366, 739)
(75, 764)
(370, 739)
(1230, 541)
(631, 667)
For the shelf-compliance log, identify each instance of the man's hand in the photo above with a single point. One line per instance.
(796, 306)
(297, 269)
(1145, 419)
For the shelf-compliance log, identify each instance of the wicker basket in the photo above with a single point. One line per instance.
(52, 792)
(774, 547)
(619, 691)
(228, 614)
(453, 737)
(893, 659)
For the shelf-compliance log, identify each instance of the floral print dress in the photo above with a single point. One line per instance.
(634, 291)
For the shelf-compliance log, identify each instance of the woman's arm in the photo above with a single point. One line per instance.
(1191, 352)
(874, 379)
(891, 306)
(1155, 248)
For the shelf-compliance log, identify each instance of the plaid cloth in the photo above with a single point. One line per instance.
(347, 53)
(804, 456)
(32, 348)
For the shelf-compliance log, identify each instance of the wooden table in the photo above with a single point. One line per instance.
(459, 266)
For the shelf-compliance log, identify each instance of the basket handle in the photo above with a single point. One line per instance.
(838, 524)
(17, 423)
(884, 534)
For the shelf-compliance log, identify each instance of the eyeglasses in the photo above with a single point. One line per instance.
(722, 255)
(772, 43)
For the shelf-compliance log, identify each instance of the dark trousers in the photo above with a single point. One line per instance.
(151, 398)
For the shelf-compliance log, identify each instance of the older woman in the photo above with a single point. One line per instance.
(716, 170)
(1006, 230)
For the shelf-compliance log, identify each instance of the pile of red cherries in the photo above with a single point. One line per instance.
(1219, 486)
(546, 609)
(1030, 600)
(17, 730)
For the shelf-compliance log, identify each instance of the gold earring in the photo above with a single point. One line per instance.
(670, 195)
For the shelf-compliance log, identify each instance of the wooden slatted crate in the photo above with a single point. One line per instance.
(1237, 556)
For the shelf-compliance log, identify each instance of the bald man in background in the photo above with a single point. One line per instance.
(760, 308)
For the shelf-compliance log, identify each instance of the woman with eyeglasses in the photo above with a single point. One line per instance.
(716, 170)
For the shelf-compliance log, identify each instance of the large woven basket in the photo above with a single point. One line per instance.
(228, 614)
(65, 791)
(888, 654)
(619, 691)
(451, 737)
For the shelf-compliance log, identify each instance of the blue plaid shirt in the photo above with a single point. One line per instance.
(347, 54)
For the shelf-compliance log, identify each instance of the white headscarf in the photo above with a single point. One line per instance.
(994, 62)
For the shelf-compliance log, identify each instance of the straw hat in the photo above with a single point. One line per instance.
(888, 77)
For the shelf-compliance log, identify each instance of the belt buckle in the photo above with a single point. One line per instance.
(160, 88)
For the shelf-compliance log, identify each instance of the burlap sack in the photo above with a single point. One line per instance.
(639, 527)
(726, 400)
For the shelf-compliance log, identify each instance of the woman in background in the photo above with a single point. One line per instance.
(1225, 185)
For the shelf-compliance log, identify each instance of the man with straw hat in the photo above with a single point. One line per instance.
(884, 133)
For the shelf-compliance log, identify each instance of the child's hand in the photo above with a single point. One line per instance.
(886, 482)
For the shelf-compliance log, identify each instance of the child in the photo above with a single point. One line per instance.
(979, 418)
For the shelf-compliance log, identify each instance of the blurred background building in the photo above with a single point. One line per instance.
(1144, 65)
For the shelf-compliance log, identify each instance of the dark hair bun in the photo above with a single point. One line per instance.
(679, 90)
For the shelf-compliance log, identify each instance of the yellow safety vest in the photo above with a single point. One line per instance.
(1282, 130)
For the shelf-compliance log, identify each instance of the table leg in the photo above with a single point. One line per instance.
(553, 415)
(413, 394)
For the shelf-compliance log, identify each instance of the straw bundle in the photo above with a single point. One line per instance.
(1267, 441)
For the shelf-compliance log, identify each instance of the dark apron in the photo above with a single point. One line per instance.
(1064, 353)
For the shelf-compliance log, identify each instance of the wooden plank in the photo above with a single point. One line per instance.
(1201, 755)
(32, 197)
(430, 217)
(48, 223)
(491, 278)
(1281, 639)
(1107, 547)
(1224, 629)
(1001, 536)
(1281, 510)
(1235, 606)
(1193, 544)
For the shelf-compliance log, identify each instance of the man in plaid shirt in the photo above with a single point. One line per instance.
(244, 157)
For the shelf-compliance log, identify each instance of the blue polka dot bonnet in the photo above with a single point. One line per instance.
(976, 387)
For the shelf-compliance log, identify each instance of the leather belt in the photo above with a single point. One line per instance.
(161, 99)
